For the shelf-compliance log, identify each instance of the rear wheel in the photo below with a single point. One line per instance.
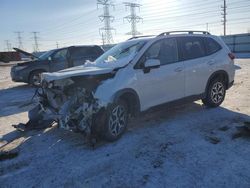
(116, 121)
(215, 94)
(35, 78)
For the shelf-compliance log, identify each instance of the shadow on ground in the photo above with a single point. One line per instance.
(15, 100)
(152, 118)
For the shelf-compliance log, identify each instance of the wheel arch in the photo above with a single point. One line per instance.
(131, 97)
(35, 70)
(218, 74)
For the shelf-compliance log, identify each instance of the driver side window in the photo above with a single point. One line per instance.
(153, 51)
(61, 55)
(164, 50)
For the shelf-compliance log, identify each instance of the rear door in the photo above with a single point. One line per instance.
(165, 83)
(197, 71)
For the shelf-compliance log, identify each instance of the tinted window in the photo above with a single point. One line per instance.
(212, 46)
(85, 52)
(164, 50)
(61, 55)
(98, 51)
(191, 47)
(78, 53)
(168, 52)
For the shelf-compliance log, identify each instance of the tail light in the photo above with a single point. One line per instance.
(231, 56)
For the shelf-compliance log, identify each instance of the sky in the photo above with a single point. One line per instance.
(76, 22)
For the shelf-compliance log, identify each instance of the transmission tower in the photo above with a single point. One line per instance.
(133, 18)
(8, 45)
(35, 46)
(19, 39)
(107, 19)
(224, 16)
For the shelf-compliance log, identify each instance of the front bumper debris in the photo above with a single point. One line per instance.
(75, 113)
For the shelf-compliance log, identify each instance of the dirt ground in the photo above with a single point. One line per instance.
(180, 146)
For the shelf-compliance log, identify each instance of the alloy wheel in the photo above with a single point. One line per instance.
(117, 120)
(217, 92)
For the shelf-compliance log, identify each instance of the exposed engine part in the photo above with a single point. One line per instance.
(77, 112)
(70, 104)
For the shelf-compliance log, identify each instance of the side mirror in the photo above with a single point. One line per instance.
(49, 58)
(152, 63)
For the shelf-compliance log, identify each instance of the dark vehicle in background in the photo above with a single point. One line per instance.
(6, 57)
(52, 61)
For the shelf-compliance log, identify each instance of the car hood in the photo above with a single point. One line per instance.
(88, 69)
(26, 63)
(75, 71)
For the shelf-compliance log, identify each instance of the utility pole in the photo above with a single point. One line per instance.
(207, 27)
(35, 46)
(107, 19)
(8, 45)
(133, 18)
(57, 45)
(19, 39)
(224, 15)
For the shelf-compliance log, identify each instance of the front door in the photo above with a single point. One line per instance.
(59, 60)
(165, 83)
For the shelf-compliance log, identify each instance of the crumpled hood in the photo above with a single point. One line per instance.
(75, 71)
(89, 68)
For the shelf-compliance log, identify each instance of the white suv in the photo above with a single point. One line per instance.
(133, 76)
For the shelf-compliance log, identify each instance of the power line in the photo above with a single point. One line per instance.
(224, 16)
(133, 18)
(35, 45)
(19, 39)
(107, 19)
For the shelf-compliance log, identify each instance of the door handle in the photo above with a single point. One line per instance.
(211, 62)
(179, 69)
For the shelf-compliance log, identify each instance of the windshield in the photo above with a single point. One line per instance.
(47, 54)
(119, 51)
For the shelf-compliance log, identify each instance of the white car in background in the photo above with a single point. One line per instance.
(133, 76)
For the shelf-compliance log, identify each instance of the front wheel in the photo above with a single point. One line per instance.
(215, 94)
(116, 121)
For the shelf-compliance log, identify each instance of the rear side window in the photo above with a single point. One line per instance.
(212, 46)
(84, 52)
(191, 47)
(78, 53)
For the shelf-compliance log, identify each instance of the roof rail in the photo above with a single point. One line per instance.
(136, 37)
(189, 32)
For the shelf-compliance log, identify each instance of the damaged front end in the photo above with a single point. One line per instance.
(70, 101)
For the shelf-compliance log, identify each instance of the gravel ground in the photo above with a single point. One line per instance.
(181, 146)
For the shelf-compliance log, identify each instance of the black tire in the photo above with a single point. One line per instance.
(113, 127)
(34, 78)
(215, 93)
